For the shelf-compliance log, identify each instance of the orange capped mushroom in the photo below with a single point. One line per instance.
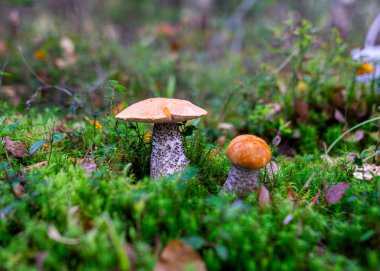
(247, 153)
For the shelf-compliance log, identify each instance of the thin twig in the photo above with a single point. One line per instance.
(309, 180)
(285, 62)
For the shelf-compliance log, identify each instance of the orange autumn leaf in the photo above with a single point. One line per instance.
(95, 123)
(118, 108)
(40, 55)
(177, 256)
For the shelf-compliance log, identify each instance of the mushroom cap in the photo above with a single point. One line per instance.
(249, 152)
(161, 110)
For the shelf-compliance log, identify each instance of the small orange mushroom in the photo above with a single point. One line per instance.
(247, 153)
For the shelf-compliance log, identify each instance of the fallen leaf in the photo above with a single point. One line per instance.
(54, 234)
(293, 197)
(228, 127)
(40, 259)
(221, 140)
(287, 219)
(336, 192)
(272, 169)
(95, 123)
(276, 140)
(366, 172)
(67, 46)
(18, 190)
(177, 256)
(302, 109)
(147, 138)
(339, 116)
(40, 55)
(358, 136)
(302, 87)
(307, 183)
(131, 255)
(264, 197)
(14, 147)
(274, 109)
(315, 199)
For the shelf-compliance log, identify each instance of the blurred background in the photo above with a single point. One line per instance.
(267, 67)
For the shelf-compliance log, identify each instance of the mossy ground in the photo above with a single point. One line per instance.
(291, 233)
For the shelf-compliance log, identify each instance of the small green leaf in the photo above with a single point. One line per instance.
(196, 122)
(57, 137)
(5, 73)
(194, 241)
(222, 252)
(36, 146)
(12, 127)
(367, 235)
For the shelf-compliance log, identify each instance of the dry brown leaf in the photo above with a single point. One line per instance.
(54, 234)
(272, 169)
(264, 197)
(274, 109)
(366, 172)
(339, 116)
(302, 109)
(40, 259)
(315, 199)
(358, 136)
(293, 197)
(131, 255)
(220, 141)
(336, 192)
(178, 256)
(37, 165)
(14, 147)
(276, 140)
(18, 190)
(287, 219)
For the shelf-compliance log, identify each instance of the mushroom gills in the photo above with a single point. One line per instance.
(241, 181)
(168, 154)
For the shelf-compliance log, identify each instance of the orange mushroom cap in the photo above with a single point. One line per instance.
(249, 152)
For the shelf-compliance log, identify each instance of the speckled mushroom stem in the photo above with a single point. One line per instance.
(168, 154)
(241, 181)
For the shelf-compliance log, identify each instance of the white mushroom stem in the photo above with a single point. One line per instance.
(241, 181)
(168, 154)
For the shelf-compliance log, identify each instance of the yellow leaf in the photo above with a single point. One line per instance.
(147, 137)
(96, 124)
(302, 86)
(40, 55)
